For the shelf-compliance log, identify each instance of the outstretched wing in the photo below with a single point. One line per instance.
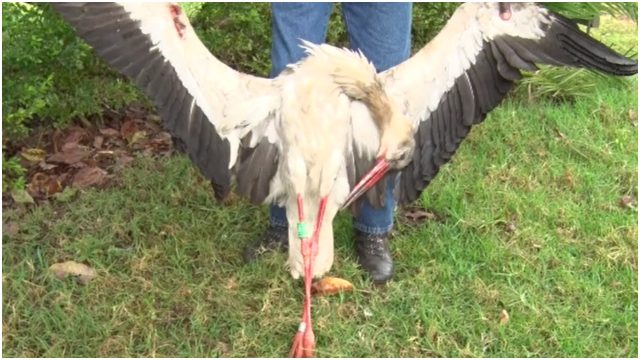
(216, 111)
(469, 67)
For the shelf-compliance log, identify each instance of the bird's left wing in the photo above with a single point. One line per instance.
(224, 118)
(468, 68)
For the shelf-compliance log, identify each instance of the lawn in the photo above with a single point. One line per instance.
(530, 221)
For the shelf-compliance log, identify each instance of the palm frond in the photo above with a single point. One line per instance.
(588, 11)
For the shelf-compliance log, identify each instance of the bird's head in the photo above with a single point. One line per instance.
(397, 143)
(396, 151)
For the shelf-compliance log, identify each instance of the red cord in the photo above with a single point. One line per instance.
(300, 208)
(304, 340)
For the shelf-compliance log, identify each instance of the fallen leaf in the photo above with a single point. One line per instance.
(82, 272)
(510, 227)
(367, 313)
(76, 135)
(626, 202)
(561, 135)
(128, 129)
(109, 132)
(70, 146)
(79, 165)
(45, 166)
(163, 137)
(123, 161)
(98, 141)
(137, 136)
(10, 228)
(89, 176)
(70, 155)
(33, 154)
(104, 158)
(504, 317)
(417, 214)
(66, 195)
(57, 140)
(569, 179)
(330, 286)
(44, 185)
(154, 117)
(231, 284)
(21, 197)
(633, 116)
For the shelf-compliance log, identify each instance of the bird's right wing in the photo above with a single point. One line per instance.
(225, 118)
(468, 68)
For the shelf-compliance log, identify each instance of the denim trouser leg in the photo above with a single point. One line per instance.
(381, 30)
(291, 22)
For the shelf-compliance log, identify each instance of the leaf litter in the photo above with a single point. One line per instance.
(83, 273)
(85, 156)
(330, 286)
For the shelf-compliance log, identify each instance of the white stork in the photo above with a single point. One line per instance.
(302, 140)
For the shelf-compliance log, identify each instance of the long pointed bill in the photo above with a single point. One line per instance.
(367, 182)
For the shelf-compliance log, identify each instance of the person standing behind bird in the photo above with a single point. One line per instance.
(382, 31)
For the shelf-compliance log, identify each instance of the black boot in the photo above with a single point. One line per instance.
(374, 256)
(276, 238)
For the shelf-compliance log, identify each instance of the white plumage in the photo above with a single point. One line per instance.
(319, 126)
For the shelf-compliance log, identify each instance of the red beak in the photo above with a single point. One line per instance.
(367, 182)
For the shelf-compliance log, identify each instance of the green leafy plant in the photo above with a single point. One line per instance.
(590, 10)
(565, 84)
(51, 75)
(12, 174)
(239, 34)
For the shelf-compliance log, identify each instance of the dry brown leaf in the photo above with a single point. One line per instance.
(510, 227)
(504, 317)
(137, 136)
(76, 135)
(45, 166)
(82, 272)
(123, 161)
(89, 176)
(98, 141)
(57, 140)
(417, 214)
(626, 202)
(569, 178)
(231, 284)
(109, 132)
(70, 146)
(10, 228)
(33, 154)
(161, 143)
(128, 129)
(330, 286)
(154, 117)
(70, 154)
(633, 116)
(44, 185)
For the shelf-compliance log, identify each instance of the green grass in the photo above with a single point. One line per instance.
(171, 281)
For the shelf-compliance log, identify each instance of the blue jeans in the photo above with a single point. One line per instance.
(382, 31)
